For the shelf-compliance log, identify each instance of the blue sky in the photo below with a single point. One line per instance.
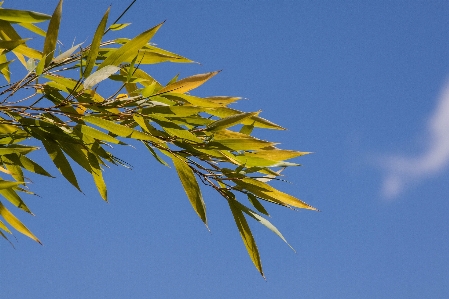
(362, 84)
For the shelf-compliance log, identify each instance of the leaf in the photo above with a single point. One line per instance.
(191, 187)
(230, 121)
(33, 28)
(28, 164)
(119, 130)
(265, 191)
(129, 50)
(257, 121)
(9, 184)
(247, 129)
(60, 161)
(155, 155)
(15, 199)
(52, 35)
(93, 52)
(245, 233)
(227, 139)
(16, 224)
(256, 204)
(116, 27)
(22, 16)
(263, 221)
(187, 84)
(11, 44)
(16, 149)
(66, 54)
(94, 133)
(100, 75)
(97, 175)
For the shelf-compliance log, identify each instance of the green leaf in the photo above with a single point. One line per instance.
(33, 28)
(229, 140)
(100, 75)
(9, 184)
(15, 199)
(60, 58)
(11, 44)
(16, 224)
(16, 149)
(263, 221)
(245, 233)
(265, 191)
(257, 204)
(247, 129)
(129, 50)
(187, 84)
(52, 35)
(155, 155)
(119, 130)
(28, 164)
(93, 52)
(230, 121)
(97, 175)
(258, 122)
(22, 16)
(191, 187)
(60, 161)
(116, 27)
(94, 133)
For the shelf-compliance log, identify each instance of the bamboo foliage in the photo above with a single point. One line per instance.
(208, 143)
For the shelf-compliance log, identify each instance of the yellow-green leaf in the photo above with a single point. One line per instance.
(9, 184)
(116, 27)
(118, 129)
(33, 28)
(97, 134)
(265, 191)
(93, 52)
(100, 75)
(230, 121)
(187, 84)
(247, 236)
(129, 50)
(191, 187)
(22, 16)
(16, 224)
(52, 35)
(60, 161)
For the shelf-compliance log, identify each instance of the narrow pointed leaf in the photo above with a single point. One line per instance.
(66, 54)
(22, 16)
(11, 44)
(187, 84)
(93, 52)
(61, 162)
(15, 199)
(119, 130)
(16, 224)
(52, 35)
(97, 134)
(256, 204)
(100, 75)
(263, 221)
(97, 175)
(230, 121)
(115, 27)
(34, 28)
(129, 50)
(191, 187)
(245, 233)
(9, 184)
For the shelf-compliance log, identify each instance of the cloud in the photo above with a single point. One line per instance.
(402, 171)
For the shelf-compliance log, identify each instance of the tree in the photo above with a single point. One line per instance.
(60, 104)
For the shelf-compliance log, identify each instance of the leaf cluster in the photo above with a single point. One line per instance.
(206, 141)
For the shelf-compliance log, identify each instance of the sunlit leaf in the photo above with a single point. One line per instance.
(187, 84)
(230, 121)
(16, 224)
(66, 54)
(245, 233)
(191, 187)
(52, 35)
(93, 52)
(100, 75)
(129, 50)
(33, 28)
(22, 16)
(116, 27)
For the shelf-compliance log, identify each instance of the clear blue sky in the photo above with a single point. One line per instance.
(362, 84)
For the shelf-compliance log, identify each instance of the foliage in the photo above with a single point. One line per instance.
(205, 140)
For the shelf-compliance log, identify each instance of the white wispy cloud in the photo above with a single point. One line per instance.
(402, 170)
